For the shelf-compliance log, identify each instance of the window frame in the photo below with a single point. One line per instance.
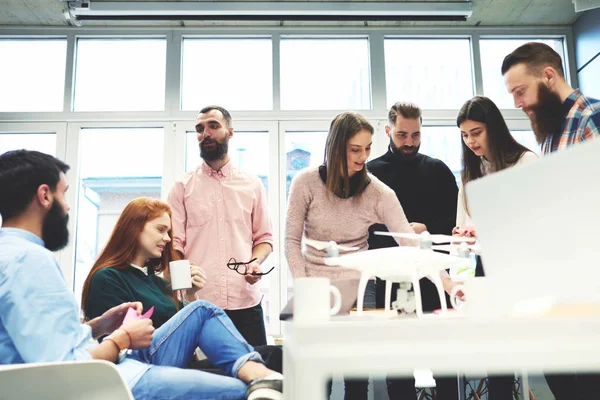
(73, 158)
(175, 121)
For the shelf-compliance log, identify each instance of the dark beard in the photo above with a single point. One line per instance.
(217, 153)
(398, 151)
(55, 232)
(548, 113)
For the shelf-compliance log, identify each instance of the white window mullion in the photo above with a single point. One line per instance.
(476, 60)
(67, 258)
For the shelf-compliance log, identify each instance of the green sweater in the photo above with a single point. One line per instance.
(110, 287)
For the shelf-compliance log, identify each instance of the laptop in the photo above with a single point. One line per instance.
(539, 225)
(348, 289)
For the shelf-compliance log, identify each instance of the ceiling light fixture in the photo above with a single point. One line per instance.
(272, 11)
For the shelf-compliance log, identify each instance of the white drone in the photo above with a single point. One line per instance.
(404, 264)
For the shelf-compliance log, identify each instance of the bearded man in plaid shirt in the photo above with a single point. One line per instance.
(560, 117)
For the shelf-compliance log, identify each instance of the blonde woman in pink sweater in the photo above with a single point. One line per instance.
(339, 201)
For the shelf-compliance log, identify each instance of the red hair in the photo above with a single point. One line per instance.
(124, 243)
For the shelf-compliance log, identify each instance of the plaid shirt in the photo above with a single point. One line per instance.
(581, 122)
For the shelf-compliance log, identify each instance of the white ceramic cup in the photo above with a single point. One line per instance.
(181, 274)
(481, 298)
(312, 300)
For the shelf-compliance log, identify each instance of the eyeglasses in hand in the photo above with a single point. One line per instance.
(242, 267)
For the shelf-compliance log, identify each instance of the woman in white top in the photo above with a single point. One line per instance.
(487, 147)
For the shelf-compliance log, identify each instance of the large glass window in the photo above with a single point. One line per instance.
(433, 73)
(527, 139)
(120, 75)
(493, 52)
(325, 74)
(32, 74)
(109, 177)
(303, 149)
(234, 73)
(316, 75)
(443, 142)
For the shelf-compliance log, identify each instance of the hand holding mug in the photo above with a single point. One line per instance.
(198, 279)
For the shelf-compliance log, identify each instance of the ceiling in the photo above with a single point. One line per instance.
(485, 13)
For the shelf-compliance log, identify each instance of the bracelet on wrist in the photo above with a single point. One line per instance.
(128, 335)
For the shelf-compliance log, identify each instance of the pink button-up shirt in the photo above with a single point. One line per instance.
(218, 215)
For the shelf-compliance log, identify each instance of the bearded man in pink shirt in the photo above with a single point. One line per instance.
(221, 224)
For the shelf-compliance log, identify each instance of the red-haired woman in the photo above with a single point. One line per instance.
(126, 271)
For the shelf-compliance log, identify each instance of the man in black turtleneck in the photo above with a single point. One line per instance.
(428, 193)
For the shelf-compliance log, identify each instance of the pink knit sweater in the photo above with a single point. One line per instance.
(346, 221)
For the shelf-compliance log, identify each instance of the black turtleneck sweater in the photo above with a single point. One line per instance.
(425, 187)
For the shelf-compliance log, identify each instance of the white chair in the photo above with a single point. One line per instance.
(89, 380)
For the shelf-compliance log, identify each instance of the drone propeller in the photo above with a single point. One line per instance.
(435, 238)
(475, 248)
(319, 245)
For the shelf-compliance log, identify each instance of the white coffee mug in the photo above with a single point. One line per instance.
(181, 274)
(312, 300)
(481, 298)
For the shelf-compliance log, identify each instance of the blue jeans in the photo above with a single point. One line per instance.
(199, 324)
(370, 295)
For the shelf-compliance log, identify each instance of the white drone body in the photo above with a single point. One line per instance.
(405, 265)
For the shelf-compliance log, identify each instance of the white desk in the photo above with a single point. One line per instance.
(384, 347)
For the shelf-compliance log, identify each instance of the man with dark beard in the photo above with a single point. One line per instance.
(560, 117)
(221, 223)
(428, 193)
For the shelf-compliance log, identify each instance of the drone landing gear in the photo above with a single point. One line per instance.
(405, 299)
